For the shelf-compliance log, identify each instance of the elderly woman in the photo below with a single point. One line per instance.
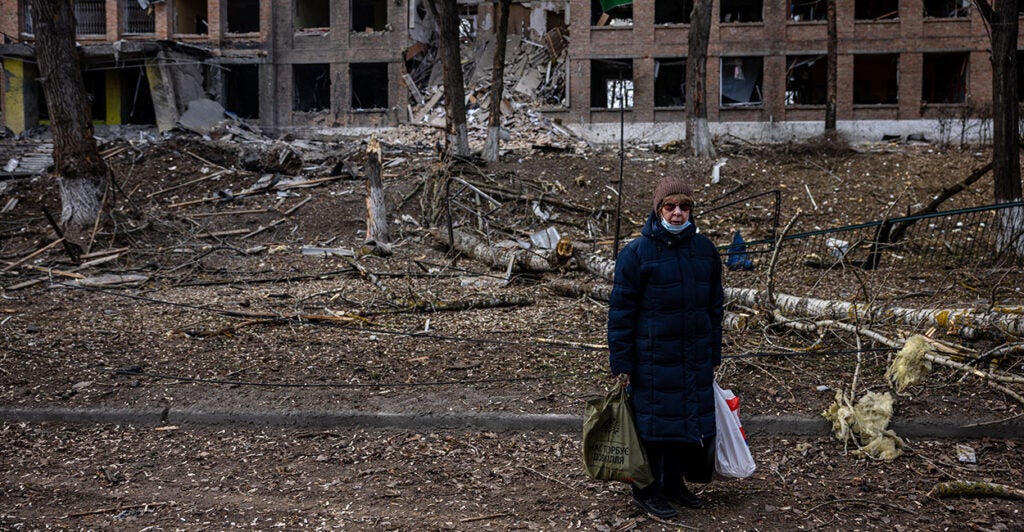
(665, 340)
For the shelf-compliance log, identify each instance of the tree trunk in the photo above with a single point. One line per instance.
(520, 260)
(832, 76)
(80, 170)
(963, 322)
(447, 14)
(497, 82)
(1002, 22)
(377, 234)
(697, 133)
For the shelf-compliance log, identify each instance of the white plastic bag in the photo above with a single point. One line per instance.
(732, 455)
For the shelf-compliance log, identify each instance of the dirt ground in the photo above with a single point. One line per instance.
(228, 313)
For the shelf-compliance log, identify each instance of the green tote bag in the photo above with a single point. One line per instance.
(611, 445)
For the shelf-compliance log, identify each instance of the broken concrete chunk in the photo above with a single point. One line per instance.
(202, 116)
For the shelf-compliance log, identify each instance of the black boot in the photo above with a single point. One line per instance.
(681, 496)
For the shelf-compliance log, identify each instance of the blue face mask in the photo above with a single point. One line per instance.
(674, 229)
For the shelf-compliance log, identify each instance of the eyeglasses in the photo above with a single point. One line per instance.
(670, 207)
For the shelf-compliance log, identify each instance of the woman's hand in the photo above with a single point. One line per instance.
(623, 379)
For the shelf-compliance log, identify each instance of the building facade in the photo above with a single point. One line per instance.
(307, 65)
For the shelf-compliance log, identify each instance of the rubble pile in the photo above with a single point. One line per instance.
(535, 75)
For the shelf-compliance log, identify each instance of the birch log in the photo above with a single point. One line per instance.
(600, 266)
(522, 260)
(963, 322)
(377, 235)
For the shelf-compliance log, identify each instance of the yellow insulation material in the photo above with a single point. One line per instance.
(866, 421)
(910, 364)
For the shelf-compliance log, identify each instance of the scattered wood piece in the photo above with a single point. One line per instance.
(567, 343)
(111, 279)
(229, 232)
(100, 260)
(328, 252)
(413, 89)
(297, 206)
(230, 213)
(104, 252)
(483, 517)
(187, 183)
(200, 159)
(12, 265)
(420, 305)
(962, 488)
(113, 509)
(262, 228)
(23, 284)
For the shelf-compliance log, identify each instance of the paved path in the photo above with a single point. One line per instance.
(491, 421)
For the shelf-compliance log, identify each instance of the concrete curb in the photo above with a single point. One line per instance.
(490, 421)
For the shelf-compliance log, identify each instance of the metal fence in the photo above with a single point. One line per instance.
(90, 17)
(136, 20)
(973, 236)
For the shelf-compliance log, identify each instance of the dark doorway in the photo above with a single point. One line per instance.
(242, 90)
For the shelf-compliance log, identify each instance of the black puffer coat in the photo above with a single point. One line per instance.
(665, 330)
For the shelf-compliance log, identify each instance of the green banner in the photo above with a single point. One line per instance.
(607, 5)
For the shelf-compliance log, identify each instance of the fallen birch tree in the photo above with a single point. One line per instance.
(522, 260)
(963, 322)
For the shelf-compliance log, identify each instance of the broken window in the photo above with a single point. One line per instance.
(611, 12)
(670, 82)
(242, 90)
(944, 77)
(311, 87)
(742, 11)
(947, 8)
(90, 17)
(369, 85)
(806, 79)
(369, 15)
(243, 16)
(672, 11)
(611, 83)
(741, 81)
(467, 21)
(876, 9)
(312, 14)
(136, 99)
(875, 79)
(190, 17)
(136, 20)
(806, 10)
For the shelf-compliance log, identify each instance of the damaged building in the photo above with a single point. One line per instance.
(306, 66)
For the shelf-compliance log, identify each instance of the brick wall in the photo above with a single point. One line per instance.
(909, 36)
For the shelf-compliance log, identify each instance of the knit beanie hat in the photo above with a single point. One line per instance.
(668, 186)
